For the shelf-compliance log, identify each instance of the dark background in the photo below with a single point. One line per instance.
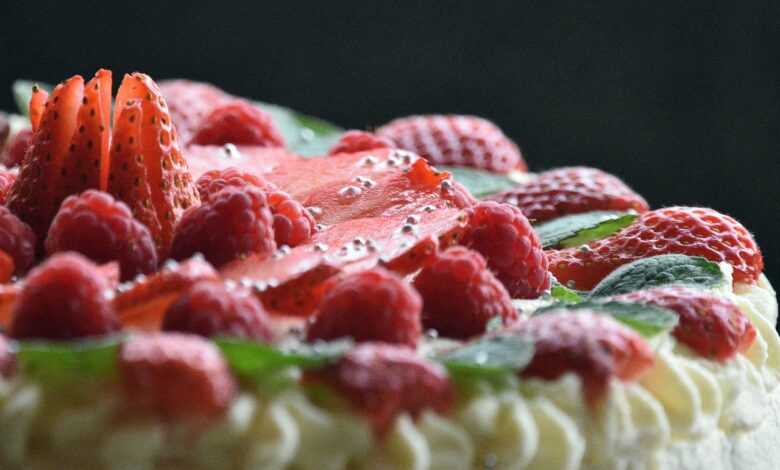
(680, 99)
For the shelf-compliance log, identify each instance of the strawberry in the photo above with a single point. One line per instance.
(359, 141)
(382, 381)
(237, 122)
(712, 326)
(13, 153)
(455, 140)
(692, 231)
(175, 376)
(571, 190)
(148, 172)
(589, 344)
(38, 101)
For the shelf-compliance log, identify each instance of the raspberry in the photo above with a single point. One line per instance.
(238, 122)
(190, 102)
(712, 326)
(592, 345)
(502, 234)
(460, 295)
(571, 190)
(234, 223)
(64, 298)
(373, 305)
(455, 140)
(17, 239)
(382, 381)
(174, 375)
(293, 225)
(102, 229)
(17, 146)
(7, 267)
(214, 181)
(691, 231)
(359, 141)
(211, 309)
(7, 179)
(7, 359)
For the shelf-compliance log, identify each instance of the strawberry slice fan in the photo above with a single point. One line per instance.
(74, 149)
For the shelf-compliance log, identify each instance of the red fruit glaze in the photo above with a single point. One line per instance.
(589, 344)
(692, 231)
(460, 295)
(359, 141)
(17, 240)
(372, 305)
(234, 222)
(712, 326)
(237, 122)
(211, 309)
(175, 376)
(13, 153)
(502, 234)
(293, 224)
(103, 229)
(571, 190)
(455, 140)
(64, 298)
(383, 381)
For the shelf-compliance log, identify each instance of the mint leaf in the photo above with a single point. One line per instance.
(305, 135)
(22, 91)
(647, 320)
(491, 358)
(256, 360)
(578, 229)
(52, 361)
(562, 293)
(658, 271)
(481, 183)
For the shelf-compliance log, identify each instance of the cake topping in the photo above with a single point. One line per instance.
(17, 240)
(359, 141)
(211, 182)
(14, 151)
(237, 122)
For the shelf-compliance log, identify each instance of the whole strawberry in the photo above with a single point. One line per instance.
(359, 141)
(237, 122)
(460, 295)
(373, 305)
(102, 229)
(712, 326)
(589, 344)
(455, 140)
(692, 231)
(233, 223)
(64, 298)
(17, 240)
(211, 309)
(214, 181)
(571, 190)
(175, 376)
(383, 381)
(502, 234)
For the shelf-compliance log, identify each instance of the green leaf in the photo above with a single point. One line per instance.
(22, 91)
(492, 357)
(658, 271)
(305, 135)
(50, 362)
(481, 183)
(647, 320)
(562, 293)
(578, 229)
(257, 360)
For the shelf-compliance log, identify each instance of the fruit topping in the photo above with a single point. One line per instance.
(213, 181)
(13, 153)
(237, 122)
(293, 224)
(17, 240)
(7, 267)
(359, 141)
(7, 180)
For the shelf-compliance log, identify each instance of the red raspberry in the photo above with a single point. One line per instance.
(455, 140)
(64, 298)
(592, 345)
(571, 191)
(460, 295)
(17, 239)
(238, 122)
(293, 225)
(17, 146)
(211, 309)
(359, 141)
(190, 102)
(234, 223)
(7, 267)
(214, 181)
(7, 179)
(383, 381)
(502, 234)
(175, 375)
(103, 229)
(373, 305)
(7, 359)
(692, 231)
(712, 326)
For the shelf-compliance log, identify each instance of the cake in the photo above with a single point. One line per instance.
(196, 280)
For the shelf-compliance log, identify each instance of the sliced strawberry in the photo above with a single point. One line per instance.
(147, 169)
(254, 160)
(37, 104)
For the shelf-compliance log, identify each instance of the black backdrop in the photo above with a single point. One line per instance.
(678, 99)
